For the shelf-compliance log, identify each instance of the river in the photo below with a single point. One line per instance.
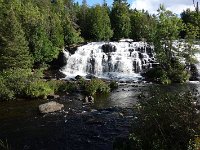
(77, 126)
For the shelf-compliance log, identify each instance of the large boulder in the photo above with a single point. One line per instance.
(50, 107)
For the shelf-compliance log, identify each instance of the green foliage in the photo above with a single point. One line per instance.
(100, 27)
(38, 89)
(177, 73)
(96, 86)
(191, 18)
(14, 47)
(5, 93)
(16, 80)
(71, 35)
(168, 29)
(174, 73)
(157, 75)
(113, 85)
(43, 47)
(60, 86)
(165, 120)
(23, 83)
(142, 26)
(120, 19)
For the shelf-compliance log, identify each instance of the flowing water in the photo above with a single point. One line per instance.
(113, 60)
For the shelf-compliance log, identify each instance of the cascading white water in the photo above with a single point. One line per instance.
(116, 60)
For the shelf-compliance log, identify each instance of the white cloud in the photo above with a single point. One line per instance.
(176, 6)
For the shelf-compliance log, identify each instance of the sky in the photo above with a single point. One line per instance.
(176, 6)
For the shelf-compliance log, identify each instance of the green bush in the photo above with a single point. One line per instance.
(96, 86)
(62, 86)
(38, 89)
(113, 85)
(68, 87)
(165, 121)
(5, 93)
(16, 80)
(157, 75)
(177, 73)
(171, 73)
(19, 83)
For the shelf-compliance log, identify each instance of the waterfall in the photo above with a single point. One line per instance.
(115, 60)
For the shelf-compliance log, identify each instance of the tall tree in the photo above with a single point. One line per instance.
(192, 18)
(83, 19)
(70, 27)
(168, 29)
(142, 25)
(120, 19)
(100, 24)
(14, 51)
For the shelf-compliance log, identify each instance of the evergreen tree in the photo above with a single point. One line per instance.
(142, 25)
(70, 28)
(120, 19)
(14, 51)
(83, 17)
(191, 18)
(100, 24)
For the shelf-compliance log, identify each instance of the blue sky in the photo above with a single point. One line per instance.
(176, 6)
(92, 2)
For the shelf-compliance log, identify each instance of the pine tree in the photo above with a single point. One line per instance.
(14, 51)
(100, 27)
(120, 19)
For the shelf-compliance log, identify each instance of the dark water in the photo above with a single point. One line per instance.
(78, 126)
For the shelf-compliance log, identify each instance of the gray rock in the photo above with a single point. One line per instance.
(50, 107)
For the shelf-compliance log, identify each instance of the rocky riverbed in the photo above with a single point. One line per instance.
(77, 126)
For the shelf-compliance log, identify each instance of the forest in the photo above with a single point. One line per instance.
(34, 32)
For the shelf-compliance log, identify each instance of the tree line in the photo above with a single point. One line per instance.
(34, 32)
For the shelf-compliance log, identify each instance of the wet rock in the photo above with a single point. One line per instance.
(90, 76)
(88, 99)
(78, 77)
(50, 107)
(52, 96)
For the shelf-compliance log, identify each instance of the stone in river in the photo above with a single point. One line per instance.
(50, 107)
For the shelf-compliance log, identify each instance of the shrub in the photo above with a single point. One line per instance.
(5, 93)
(113, 85)
(68, 87)
(38, 89)
(177, 73)
(158, 75)
(62, 86)
(19, 82)
(165, 121)
(172, 73)
(96, 86)
(16, 80)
